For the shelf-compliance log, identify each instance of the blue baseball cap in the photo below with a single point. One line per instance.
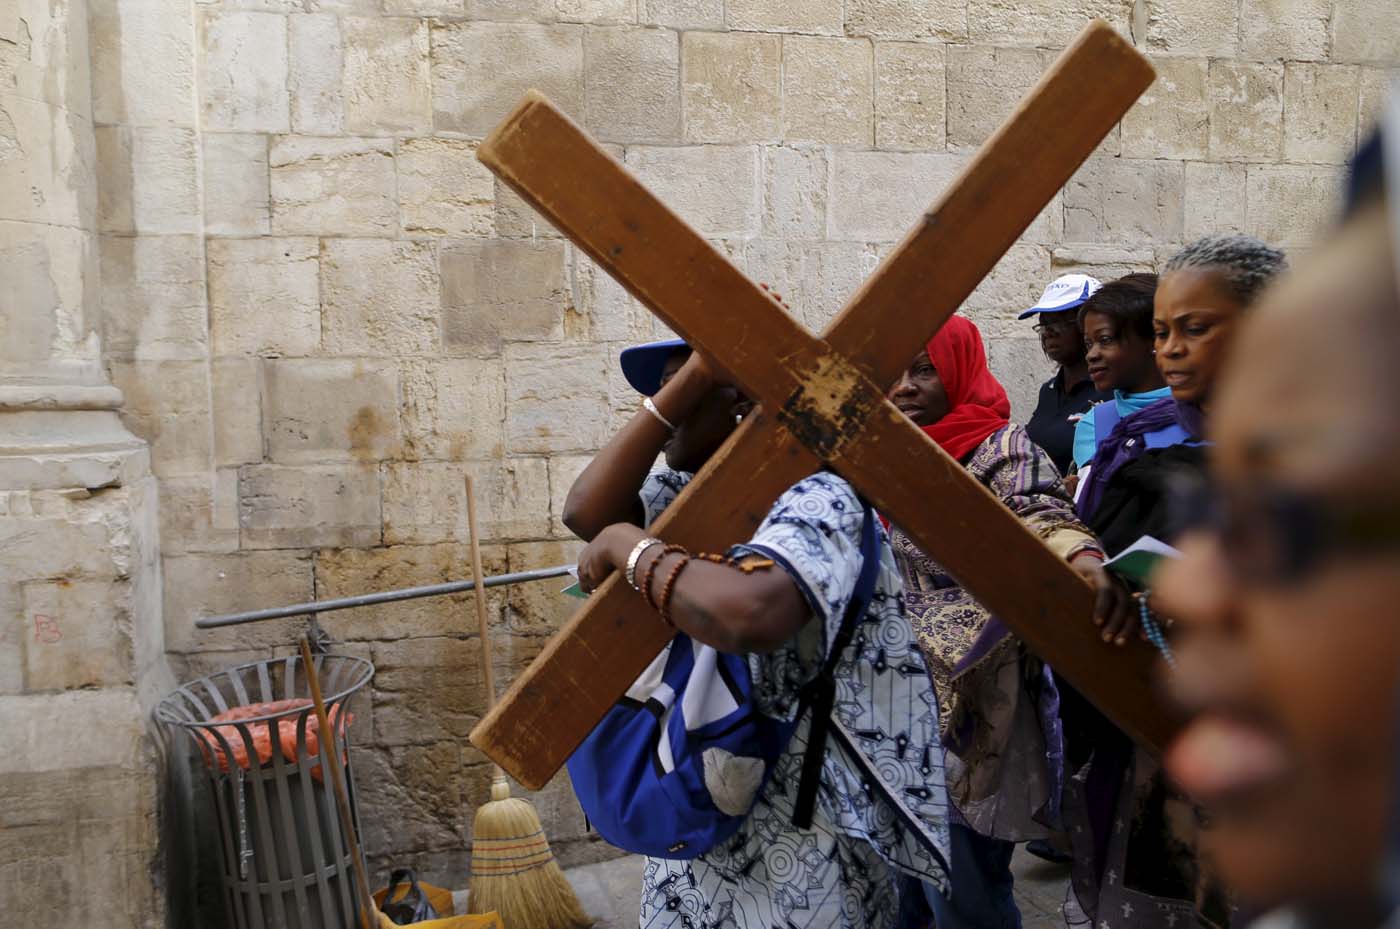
(1064, 293)
(642, 364)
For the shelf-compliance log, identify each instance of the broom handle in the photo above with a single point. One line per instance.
(366, 905)
(488, 673)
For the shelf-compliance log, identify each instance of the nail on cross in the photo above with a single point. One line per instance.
(821, 399)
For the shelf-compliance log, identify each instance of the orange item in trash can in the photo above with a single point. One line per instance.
(260, 732)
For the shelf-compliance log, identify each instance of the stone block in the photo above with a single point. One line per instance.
(82, 634)
(601, 310)
(1364, 31)
(1015, 282)
(910, 104)
(444, 189)
(794, 196)
(828, 90)
(152, 297)
(339, 186)
(598, 12)
(1039, 24)
(1194, 27)
(1215, 199)
(58, 733)
(1021, 367)
(317, 59)
(877, 196)
(481, 70)
(1320, 112)
(555, 398)
(984, 86)
(1246, 111)
(425, 8)
(517, 219)
(563, 471)
(453, 409)
(147, 180)
(822, 17)
(313, 506)
(713, 188)
(1122, 201)
(537, 610)
(1375, 88)
(330, 409)
(56, 188)
(379, 296)
(501, 289)
(243, 72)
(682, 14)
(1290, 206)
(1105, 262)
(632, 84)
(1288, 30)
(211, 585)
(236, 196)
(167, 404)
(730, 86)
(143, 62)
(908, 19)
(63, 533)
(1172, 119)
(426, 690)
(815, 278)
(264, 296)
(424, 502)
(236, 392)
(199, 513)
(386, 75)
(350, 571)
(413, 798)
(508, 11)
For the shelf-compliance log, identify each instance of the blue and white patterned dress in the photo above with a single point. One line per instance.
(843, 872)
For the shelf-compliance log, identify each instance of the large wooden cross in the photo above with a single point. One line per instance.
(821, 399)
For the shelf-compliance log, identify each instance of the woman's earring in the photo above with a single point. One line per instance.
(738, 418)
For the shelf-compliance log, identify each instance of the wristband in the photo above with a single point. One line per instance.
(634, 556)
(650, 407)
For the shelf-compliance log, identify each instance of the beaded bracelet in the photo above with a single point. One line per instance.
(670, 588)
(651, 570)
(1155, 635)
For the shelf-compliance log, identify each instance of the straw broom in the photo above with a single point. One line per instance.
(513, 869)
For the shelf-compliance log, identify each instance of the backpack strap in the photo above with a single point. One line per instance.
(819, 694)
(1106, 416)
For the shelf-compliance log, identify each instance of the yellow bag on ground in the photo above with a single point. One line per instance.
(441, 899)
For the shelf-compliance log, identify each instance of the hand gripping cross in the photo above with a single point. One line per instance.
(821, 399)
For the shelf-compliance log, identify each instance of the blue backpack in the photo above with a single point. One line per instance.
(678, 763)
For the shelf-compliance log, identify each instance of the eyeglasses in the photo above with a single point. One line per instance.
(1057, 325)
(1272, 535)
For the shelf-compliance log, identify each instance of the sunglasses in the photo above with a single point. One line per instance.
(1276, 536)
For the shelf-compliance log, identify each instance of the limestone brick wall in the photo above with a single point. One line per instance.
(323, 311)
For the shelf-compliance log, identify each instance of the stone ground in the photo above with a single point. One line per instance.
(609, 891)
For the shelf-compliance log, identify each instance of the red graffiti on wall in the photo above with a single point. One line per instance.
(46, 629)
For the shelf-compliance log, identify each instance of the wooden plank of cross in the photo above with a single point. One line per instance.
(821, 399)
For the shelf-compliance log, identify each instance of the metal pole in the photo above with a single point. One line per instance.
(387, 596)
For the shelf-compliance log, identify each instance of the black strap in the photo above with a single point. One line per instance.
(819, 694)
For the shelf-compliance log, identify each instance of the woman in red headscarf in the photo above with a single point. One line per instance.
(998, 703)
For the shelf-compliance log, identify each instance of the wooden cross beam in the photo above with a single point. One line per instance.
(821, 399)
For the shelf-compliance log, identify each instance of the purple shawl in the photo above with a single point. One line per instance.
(1125, 445)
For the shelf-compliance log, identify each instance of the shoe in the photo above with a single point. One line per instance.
(1042, 848)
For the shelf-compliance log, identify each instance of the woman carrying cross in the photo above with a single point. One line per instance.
(879, 815)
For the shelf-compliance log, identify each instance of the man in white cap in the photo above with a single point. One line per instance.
(1069, 393)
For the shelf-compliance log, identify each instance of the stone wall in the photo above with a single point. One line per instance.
(323, 311)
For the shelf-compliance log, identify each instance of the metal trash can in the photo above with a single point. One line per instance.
(285, 862)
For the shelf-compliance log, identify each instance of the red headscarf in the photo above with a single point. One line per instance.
(977, 404)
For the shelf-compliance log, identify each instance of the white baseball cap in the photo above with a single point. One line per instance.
(1064, 293)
